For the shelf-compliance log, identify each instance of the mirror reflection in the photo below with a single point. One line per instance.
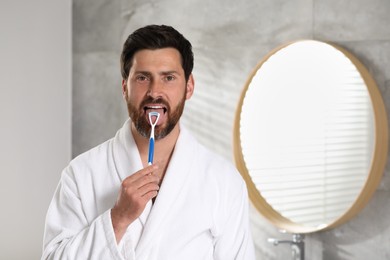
(307, 132)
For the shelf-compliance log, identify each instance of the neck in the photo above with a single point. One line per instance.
(163, 148)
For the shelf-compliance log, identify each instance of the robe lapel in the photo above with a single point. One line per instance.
(173, 184)
(144, 216)
(126, 155)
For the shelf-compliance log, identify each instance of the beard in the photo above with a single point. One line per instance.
(141, 123)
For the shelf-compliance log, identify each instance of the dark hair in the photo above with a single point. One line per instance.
(154, 37)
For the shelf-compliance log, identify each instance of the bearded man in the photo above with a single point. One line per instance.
(189, 204)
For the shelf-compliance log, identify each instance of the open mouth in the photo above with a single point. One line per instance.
(157, 108)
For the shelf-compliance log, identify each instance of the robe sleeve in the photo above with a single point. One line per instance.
(235, 239)
(69, 235)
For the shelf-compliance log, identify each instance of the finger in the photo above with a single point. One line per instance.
(139, 174)
(150, 195)
(146, 193)
(138, 187)
(145, 180)
(136, 196)
(147, 188)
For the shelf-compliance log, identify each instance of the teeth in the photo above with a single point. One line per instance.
(155, 107)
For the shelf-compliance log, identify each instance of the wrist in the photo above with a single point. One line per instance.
(119, 219)
(119, 223)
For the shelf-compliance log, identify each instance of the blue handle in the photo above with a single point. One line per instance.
(151, 150)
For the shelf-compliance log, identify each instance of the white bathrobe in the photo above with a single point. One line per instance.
(201, 211)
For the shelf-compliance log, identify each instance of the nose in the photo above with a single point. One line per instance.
(155, 89)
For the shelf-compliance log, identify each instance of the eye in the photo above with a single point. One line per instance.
(170, 78)
(141, 78)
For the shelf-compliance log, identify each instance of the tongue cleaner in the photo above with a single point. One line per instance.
(152, 115)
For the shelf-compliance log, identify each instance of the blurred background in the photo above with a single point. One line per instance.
(60, 95)
(35, 127)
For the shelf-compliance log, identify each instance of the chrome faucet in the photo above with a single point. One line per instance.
(297, 245)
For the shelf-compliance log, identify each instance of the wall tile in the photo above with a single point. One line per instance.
(98, 108)
(357, 20)
(97, 25)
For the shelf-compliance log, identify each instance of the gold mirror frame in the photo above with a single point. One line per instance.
(379, 156)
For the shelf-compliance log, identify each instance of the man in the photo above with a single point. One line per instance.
(190, 204)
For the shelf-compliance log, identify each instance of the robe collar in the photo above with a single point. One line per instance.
(126, 155)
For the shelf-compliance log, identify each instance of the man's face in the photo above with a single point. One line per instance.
(157, 83)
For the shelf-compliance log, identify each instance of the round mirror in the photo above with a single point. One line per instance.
(310, 136)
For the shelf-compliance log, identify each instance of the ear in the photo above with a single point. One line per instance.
(124, 88)
(190, 86)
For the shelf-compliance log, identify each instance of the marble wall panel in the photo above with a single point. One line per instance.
(359, 20)
(98, 109)
(97, 26)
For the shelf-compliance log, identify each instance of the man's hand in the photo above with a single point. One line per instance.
(135, 192)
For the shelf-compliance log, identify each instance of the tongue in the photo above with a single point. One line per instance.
(154, 118)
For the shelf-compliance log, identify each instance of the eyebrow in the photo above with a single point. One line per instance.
(169, 72)
(143, 72)
(160, 73)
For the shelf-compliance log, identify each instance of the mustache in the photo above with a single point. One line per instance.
(154, 101)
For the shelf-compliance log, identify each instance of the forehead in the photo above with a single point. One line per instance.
(158, 57)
